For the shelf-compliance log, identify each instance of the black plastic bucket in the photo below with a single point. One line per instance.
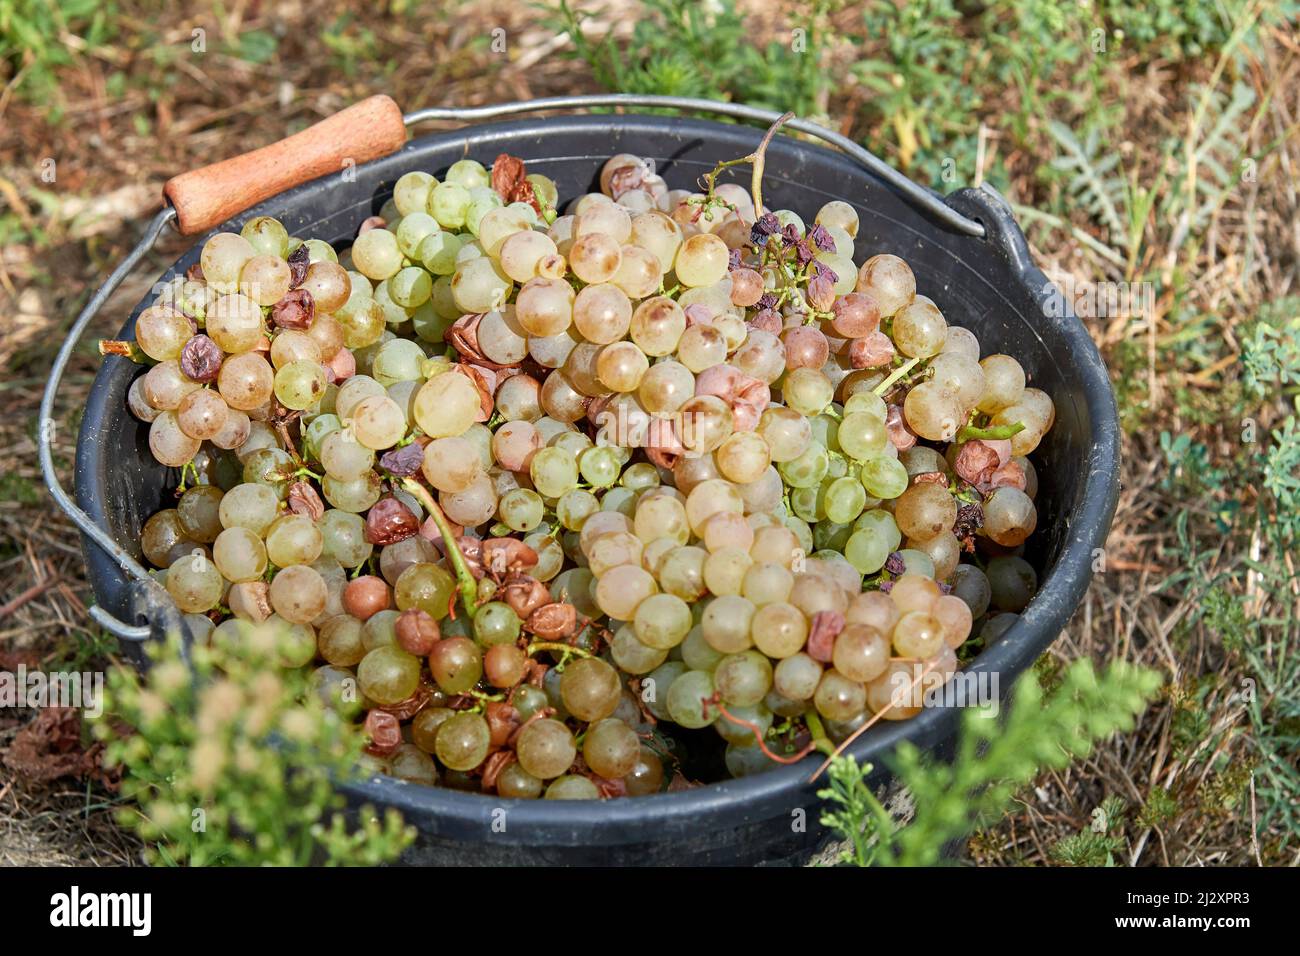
(988, 284)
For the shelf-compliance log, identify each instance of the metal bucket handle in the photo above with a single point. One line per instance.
(152, 593)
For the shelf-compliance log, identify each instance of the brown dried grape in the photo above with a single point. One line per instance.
(417, 632)
(201, 359)
(294, 311)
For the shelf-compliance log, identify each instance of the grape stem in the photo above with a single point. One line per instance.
(893, 702)
(759, 159)
(894, 376)
(468, 584)
(819, 740)
(990, 433)
(126, 349)
(557, 646)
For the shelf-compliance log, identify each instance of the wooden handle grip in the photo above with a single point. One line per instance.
(206, 197)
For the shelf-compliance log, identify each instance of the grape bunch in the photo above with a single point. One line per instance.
(539, 494)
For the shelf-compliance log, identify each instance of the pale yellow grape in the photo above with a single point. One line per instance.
(779, 629)
(223, 258)
(744, 457)
(291, 346)
(621, 366)
(662, 621)
(657, 325)
(480, 285)
(919, 328)
(544, 306)
(411, 192)
(298, 594)
(473, 505)
(607, 551)
(658, 233)
(704, 423)
(293, 539)
(665, 387)
(762, 355)
(522, 252)
(639, 273)
(701, 260)
(161, 332)
(775, 544)
(709, 498)
(839, 214)
(561, 400)
(1004, 382)
(501, 338)
(170, 445)
(378, 422)
(725, 570)
(194, 583)
(889, 280)
(961, 375)
(235, 323)
(239, 555)
(264, 279)
(344, 457)
(498, 225)
(620, 592)
(605, 218)
(682, 572)
(595, 257)
(446, 405)
(701, 347)
(661, 517)
(727, 529)
(376, 254)
(300, 384)
(602, 313)
(726, 623)
(933, 412)
(202, 414)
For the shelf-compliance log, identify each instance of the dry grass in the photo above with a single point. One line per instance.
(200, 108)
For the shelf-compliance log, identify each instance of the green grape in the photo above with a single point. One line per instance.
(743, 679)
(572, 787)
(410, 288)
(688, 700)
(438, 252)
(426, 586)
(496, 623)
(521, 509)
(845, 498)
(267, 236)
(599, 466)
(662, 621)
(388, 675)
(862, 436)
(463, 741)
(575, 507)
(631, 655)
(553, 472)
(739, 734)
(807, 469)
(546, 748)
(468, 174)
(411, 192)
(881, 522)
(300, 384)
(867, 550)
(884, 477)
(447, 203)
(413, 229)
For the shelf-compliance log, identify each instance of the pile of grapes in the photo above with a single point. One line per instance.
(541, 497)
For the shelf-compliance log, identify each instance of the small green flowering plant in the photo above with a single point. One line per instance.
(228, 757)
